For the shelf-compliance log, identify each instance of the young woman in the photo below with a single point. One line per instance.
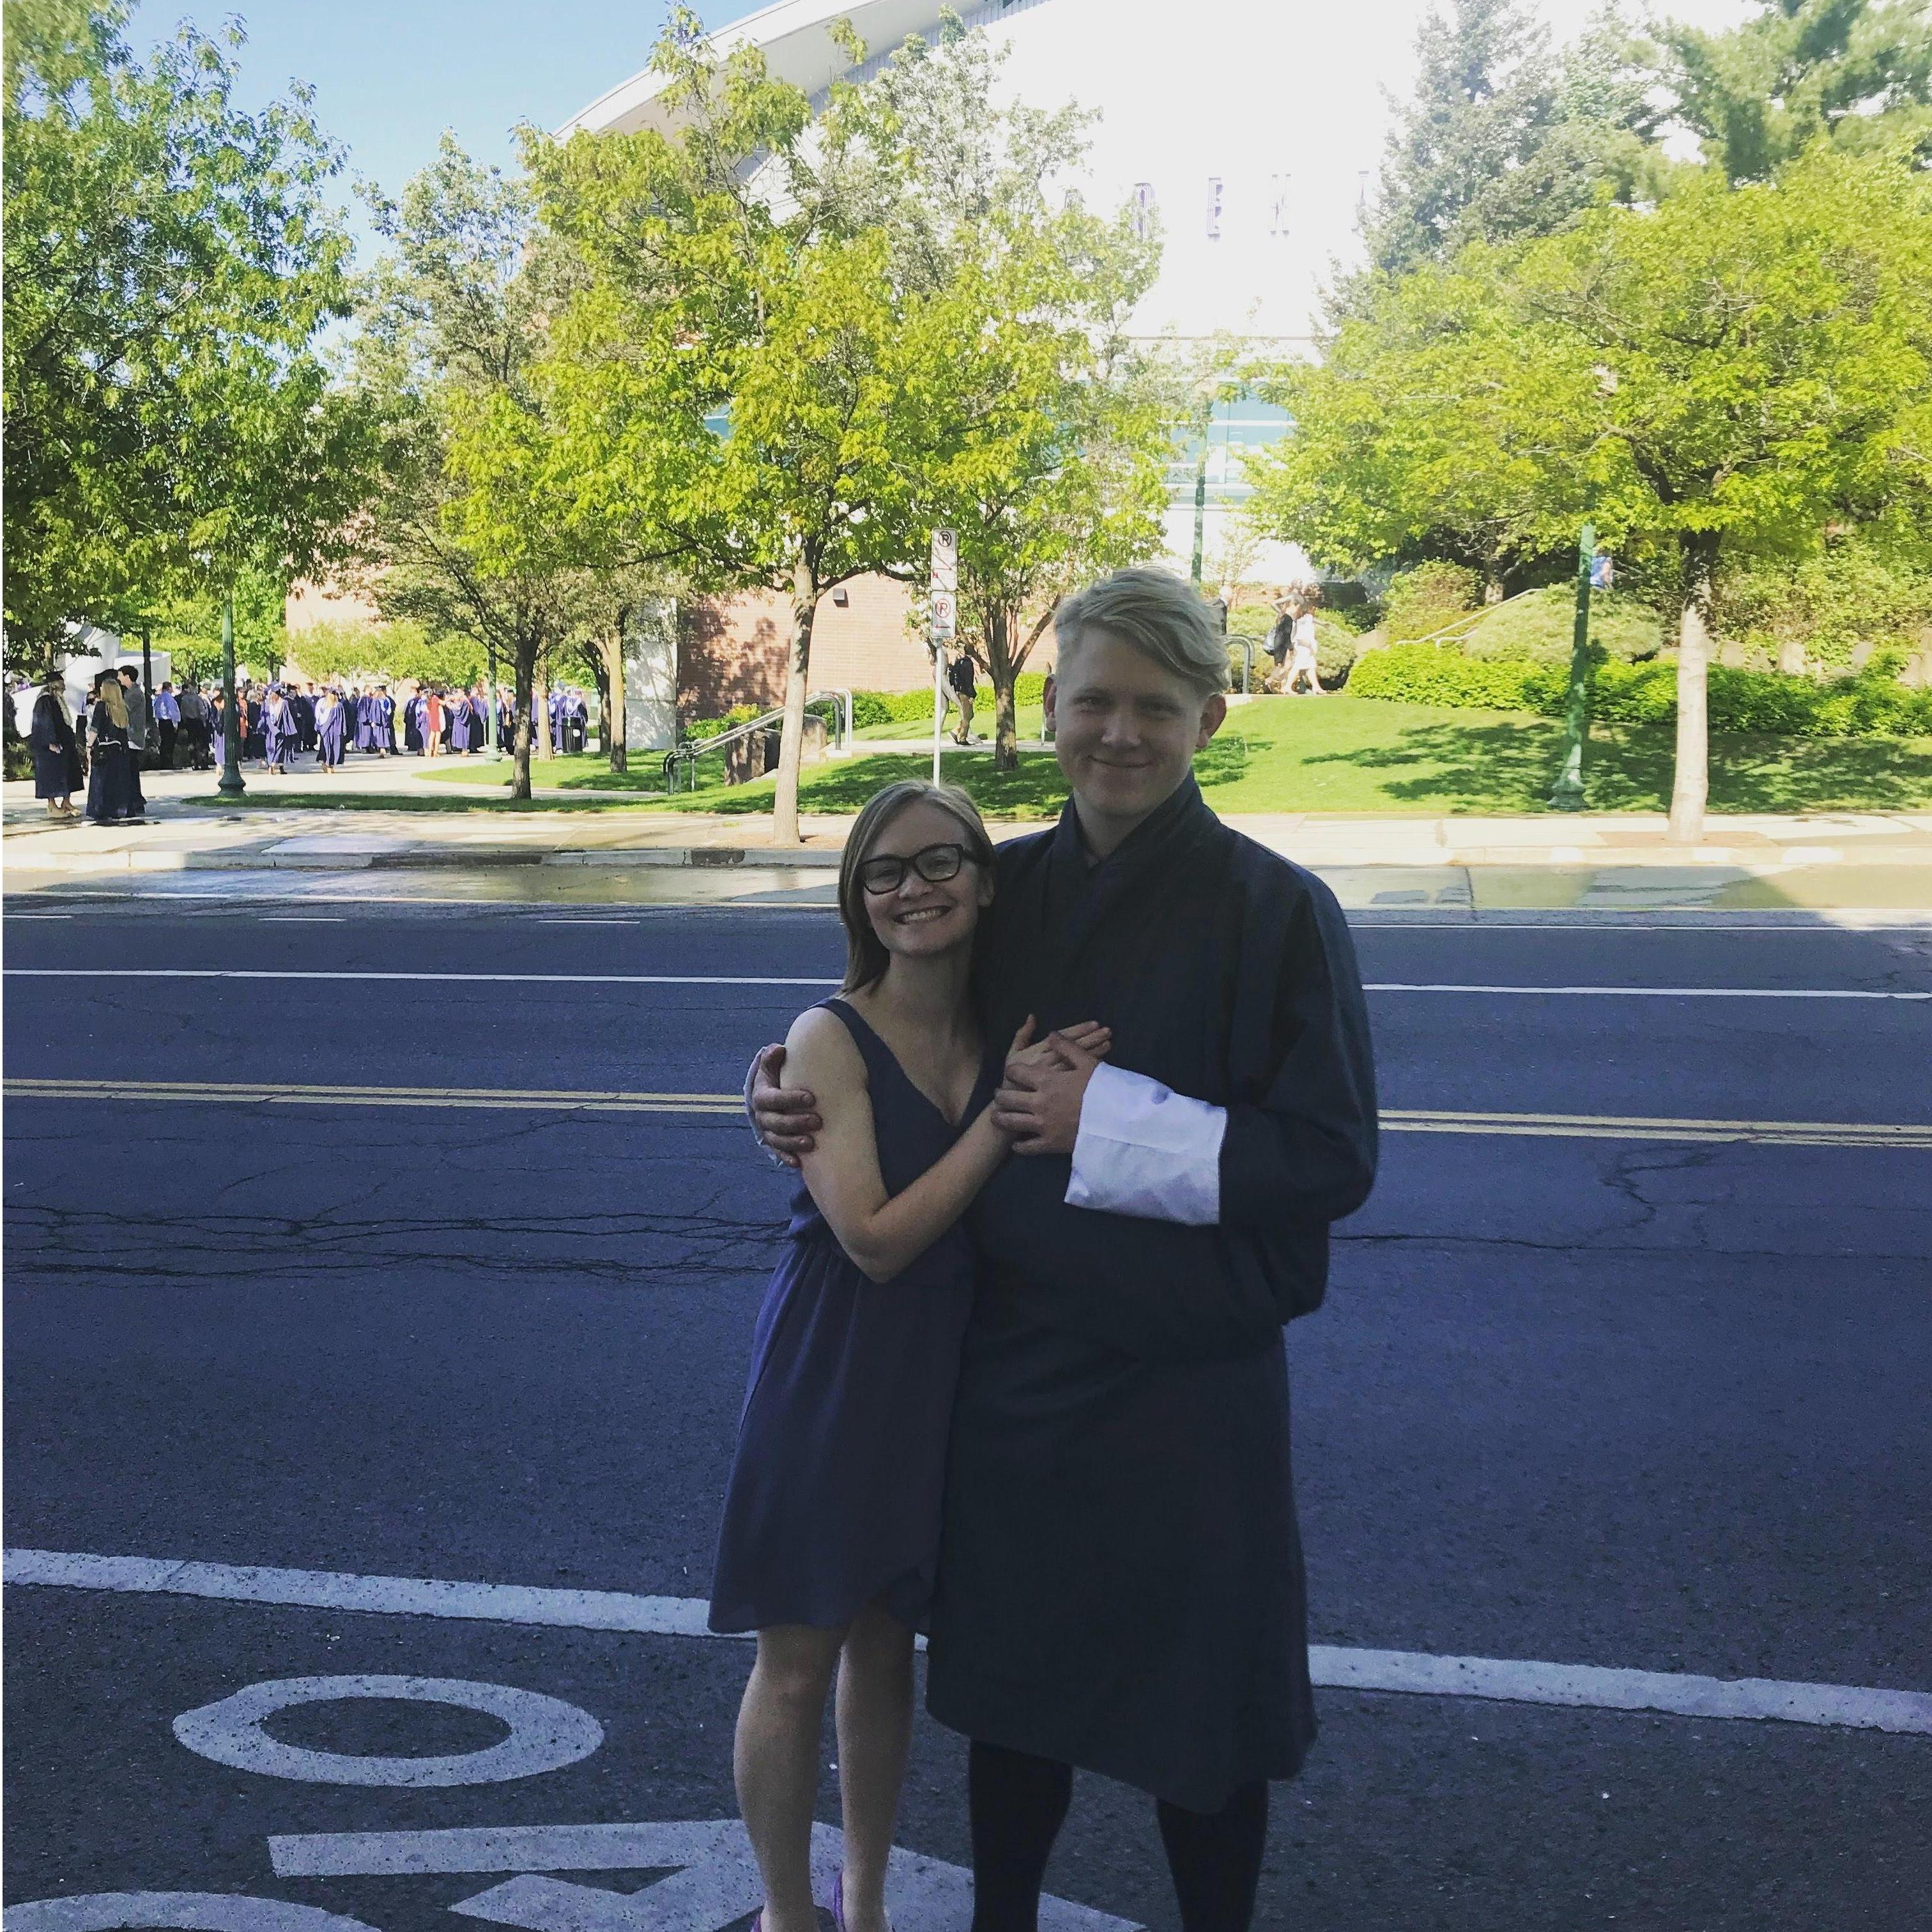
(1303, 664)
(831, 1529)
(56, 756)
(110, 785)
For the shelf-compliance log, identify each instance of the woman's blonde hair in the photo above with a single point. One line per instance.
(866, 957)
(117, 705)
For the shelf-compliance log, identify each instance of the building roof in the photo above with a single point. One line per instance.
(796, 39)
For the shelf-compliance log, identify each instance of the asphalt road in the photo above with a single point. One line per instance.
(1622, 1402)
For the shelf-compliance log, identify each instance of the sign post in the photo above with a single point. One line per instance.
(944, 625)
(1568, 795)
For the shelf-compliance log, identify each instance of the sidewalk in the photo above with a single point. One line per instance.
(1880, 860)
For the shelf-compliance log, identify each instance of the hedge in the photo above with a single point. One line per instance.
(1874, 704)
(877, 707)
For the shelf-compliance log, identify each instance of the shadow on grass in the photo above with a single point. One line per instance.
(1493, 765)
(1035, 791)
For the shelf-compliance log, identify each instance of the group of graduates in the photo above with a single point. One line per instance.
(120, 729)
(106, 747)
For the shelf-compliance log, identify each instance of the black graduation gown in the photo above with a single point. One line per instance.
(1120, 1583)
(56, 755)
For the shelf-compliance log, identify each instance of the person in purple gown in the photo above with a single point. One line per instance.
(382, 721)
(330, 715)
(829, 1543)
(279, 729)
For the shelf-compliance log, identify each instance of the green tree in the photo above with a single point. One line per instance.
(1054, 472)
(456, 320)
(1503, 139)
(170, 262)
(745, 386)
(1857, 73)
(1731, 375)
(1409, 440)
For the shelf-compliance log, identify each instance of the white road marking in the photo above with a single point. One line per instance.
(1510, 1680)
(185, 1911)
(438, 979)
(780, 979)
(925, 1894)
(1660, 992)
(300, 919)
(545, 1732)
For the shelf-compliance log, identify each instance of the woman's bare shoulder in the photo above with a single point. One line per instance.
(819, 1044)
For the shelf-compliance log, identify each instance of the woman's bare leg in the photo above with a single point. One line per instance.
(775, 1762)
(875, 1697)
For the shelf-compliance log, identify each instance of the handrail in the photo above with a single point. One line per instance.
(1472, 618)
(691, 750)
(1247, 645)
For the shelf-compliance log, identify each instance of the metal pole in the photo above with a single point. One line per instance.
(1200, 510)
(494, 754)
(230, 781)
(938, 705)
(1568, 794)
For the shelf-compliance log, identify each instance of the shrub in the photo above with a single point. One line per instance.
(1823, 609)
(1430, 674)
(1422, 601)
(1873, 704)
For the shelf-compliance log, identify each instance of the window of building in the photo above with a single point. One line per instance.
(1144, 208)
(1213, 208)
(1278, 204)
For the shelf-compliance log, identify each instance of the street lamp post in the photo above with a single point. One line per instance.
(493, 755)
(1200, 510)
(230, 781)
(1568, 794)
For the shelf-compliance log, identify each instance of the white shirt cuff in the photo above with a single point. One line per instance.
(1145, 1150)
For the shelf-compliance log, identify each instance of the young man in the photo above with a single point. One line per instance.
(135, 699)
(959, 680)
(167, 722)
(1120, 1586)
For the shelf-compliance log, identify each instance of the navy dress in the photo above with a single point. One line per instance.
(835, 1492)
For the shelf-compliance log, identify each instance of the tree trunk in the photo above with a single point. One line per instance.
(616, 728)
(798, 671)
(1690, 784)
(1494, 588)
(1001, 669)
(520, 740)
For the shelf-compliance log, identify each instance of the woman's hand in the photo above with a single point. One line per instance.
(1037, 1108)
(1090, 1038)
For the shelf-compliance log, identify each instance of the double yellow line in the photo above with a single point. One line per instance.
(559, 1100)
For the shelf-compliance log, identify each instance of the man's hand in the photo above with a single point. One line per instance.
(1038, 1108)
(785, 1118)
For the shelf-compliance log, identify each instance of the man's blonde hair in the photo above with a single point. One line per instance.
(1161, 616)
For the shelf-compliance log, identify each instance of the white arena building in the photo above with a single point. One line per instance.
(1252, 127)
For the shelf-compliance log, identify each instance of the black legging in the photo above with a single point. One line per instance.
(1018, 1803)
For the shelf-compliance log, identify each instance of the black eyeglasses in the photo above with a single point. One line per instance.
(935, 864)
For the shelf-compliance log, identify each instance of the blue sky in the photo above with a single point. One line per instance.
(390, 75)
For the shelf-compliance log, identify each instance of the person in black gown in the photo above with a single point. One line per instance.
(1120, 1586)
(56, 755)
(110, 791)
(829, 1541)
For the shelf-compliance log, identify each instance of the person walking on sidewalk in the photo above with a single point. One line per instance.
(959, 675)
(1302, 660)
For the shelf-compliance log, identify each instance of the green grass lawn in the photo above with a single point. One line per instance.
(1335, 755)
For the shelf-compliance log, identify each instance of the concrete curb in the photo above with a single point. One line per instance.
(702, 858)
